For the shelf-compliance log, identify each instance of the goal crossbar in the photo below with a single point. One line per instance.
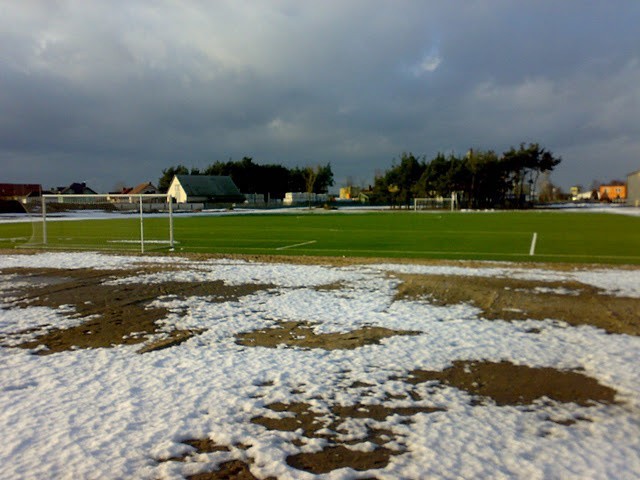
(108, 196)
(436, 202)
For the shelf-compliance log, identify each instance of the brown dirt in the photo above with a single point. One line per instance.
(503, 382)
(509, 384)
(174, 338)
(303, 418)
(339, 456)
(331, 287)
(300, 334)
(115, 314)
(232, 470)
(512, 299)
(379, 412)
(200, 445)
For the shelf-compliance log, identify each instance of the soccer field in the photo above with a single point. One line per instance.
(531, 235)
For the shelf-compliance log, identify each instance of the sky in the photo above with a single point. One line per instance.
(113, 92)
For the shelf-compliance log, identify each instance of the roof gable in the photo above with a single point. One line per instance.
(146, 187)
(78, 189)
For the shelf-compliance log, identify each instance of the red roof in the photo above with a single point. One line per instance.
(142, 188)
(19, 189)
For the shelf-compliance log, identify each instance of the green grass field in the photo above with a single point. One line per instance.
(561, 236)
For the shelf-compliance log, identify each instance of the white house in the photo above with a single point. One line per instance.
(204, 189)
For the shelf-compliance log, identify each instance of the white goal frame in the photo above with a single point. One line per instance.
(439, 202)
(107, 197)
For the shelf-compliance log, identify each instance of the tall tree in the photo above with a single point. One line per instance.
(401, 182)
(525, 166)
(486, 179)
(324, 179)
(443, 176)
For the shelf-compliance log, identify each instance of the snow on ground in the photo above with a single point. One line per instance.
(110, 413)
(614, 282)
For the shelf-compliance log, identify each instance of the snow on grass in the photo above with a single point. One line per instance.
(93, 260)
(111, 413)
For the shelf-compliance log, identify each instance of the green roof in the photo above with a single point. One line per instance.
(214, 187)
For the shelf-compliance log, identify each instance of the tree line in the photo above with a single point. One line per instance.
(480, 179)
(249, 177)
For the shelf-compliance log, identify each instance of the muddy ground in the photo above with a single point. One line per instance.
(513, 299)
(111, 315)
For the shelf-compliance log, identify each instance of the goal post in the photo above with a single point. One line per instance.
(116, 213)
(436, 203)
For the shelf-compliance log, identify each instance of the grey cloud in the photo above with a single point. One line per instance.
(128, 88)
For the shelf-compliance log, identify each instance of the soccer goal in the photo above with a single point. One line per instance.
(436, 203)
(102, 221)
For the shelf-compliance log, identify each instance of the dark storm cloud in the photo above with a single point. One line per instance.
(117, 91)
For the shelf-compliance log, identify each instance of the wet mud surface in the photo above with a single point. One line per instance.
(512, 299)
(113, 314)
(509, 384)
(301, 334)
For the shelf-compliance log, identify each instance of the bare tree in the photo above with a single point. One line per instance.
(310, 175)
(119, 186)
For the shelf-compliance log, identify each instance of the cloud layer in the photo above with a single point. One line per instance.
(113, 92)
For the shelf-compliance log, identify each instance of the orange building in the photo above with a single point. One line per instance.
(614, 193)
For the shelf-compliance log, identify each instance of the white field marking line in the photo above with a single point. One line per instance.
(444, 252)
(138, 241)
(532, 250)
(12, 239)
(297, 245)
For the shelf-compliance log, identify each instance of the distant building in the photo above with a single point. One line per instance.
(633, 189)
(143, 188)
(301, 198)
(349, 193)
(613, 193)
(204, 189)
(577, 195)
(74, 189)
(146, 188)
(19, 191)
(13, 196)
(585, 196)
